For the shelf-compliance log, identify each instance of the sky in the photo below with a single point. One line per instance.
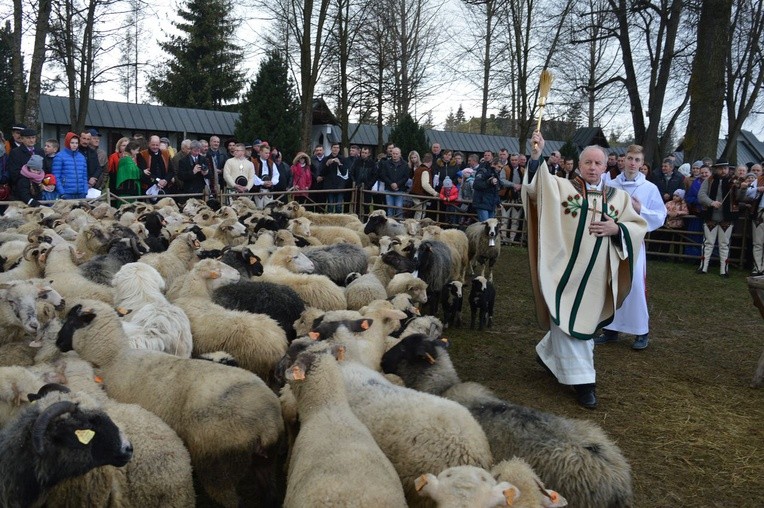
(458, 92)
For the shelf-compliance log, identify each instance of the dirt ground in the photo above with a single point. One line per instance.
(681, 410)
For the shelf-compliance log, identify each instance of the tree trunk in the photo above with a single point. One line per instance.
(489, 13)
(707, 80)
(18, 68)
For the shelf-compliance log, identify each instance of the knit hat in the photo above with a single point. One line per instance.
(750, 175)
(447, 183)
(34, 162)
(697, 164)
(50, 179)
(684, 169)
(467, 172)
(679, 192)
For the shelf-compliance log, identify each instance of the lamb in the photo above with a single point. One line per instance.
(18, 307)
(175, 261)
(101, 269)
(573, 456)
(153, 323)
(409, 284)
(49, 442)
(361, 290)
(457, 243)
(452, 300)
(381, 226)
(65, 277)
(433, 260)
(223, 414)
(416, 431)
(336, 261)
(482, 298)
(360, 474)
(255, 340)
(533, 494)
(278, 301)
(467, 487)
(483, 247)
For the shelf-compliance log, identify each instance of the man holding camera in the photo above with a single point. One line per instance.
(485, 189)
(194, 170)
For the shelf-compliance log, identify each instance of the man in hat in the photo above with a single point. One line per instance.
(632, 316)
(753, 195)
(21, 154)
(584, 238)
(717, 195)
(15, 140)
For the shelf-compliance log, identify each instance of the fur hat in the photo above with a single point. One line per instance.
(34, 162)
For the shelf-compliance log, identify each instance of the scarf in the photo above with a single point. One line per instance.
(36, 177)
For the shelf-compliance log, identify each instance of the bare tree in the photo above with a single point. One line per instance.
(745, 69)
(128, 76)
(26, 101)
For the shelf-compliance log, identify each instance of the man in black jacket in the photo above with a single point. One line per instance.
(194, 170)
(394, 173)
(21, 154)
(91, 156)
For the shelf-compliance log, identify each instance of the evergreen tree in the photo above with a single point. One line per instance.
(408, 135)
(569, 150)
(450, 121)
(270, 109)
(6, 80)
(202, 68)
(460, 118)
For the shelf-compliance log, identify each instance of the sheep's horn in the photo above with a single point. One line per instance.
(41, 424)
(48, 388)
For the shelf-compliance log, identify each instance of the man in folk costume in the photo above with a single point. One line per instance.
(754, 194)
(717, 195)
(632, 316)
(154, 164)
(266, 176)
(583, 241)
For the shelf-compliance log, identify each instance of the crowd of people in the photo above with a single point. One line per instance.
(704, 198)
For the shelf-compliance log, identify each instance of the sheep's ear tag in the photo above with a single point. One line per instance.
(253, 260)
(314, 335)
(214, 274)
(365, 324)
(98, 379)
(510, 495)
(341, 354)
(420, 482)
(445, 341)
(429, 358)
(122, 311)
(492, 242)
(417, 311)
(297, 373)
(84, 436)
(197, 244)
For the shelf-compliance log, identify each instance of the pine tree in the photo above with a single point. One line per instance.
(450, 121)
(270, 109)
(409, 135)
(201, 70)
(460, 118)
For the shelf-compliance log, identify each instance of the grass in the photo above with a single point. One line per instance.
(681, 410)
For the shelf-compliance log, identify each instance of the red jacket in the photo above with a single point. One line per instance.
(450, 195)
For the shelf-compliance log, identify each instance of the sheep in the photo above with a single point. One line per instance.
(91, 241)
(16, 353)
(401, 263)
(18, 307)
(49, 442)
(244, 260)
(278, 301)
(533, 494)
(223, 414)
(30, 266)
(325, 234)
(16, 383)
(482, 298)
(427, 325)
(175, 261)
(457, 243)
(292, 259)
(483, 247)
(65, 277)
(255, 340)
(314, 290)
(467, 487)
(382, 271)
(101, 269)
(312, 317)
(573, 456)
(285, 238)
(409, 284)
(360, 474)
(433, 260)
(153, 322)
(230, 232)
(452, 300)
(336, 261)
(381, 226)
(360, 290)
(294, 210)
(11, 252)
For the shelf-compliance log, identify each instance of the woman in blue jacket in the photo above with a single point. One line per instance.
(71, 170)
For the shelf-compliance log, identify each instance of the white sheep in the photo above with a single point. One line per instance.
(19, 308)
(484, 247)
(360, 290)
(223, 414)
(315, 290)
(467, 487)
(255, 340)
(294, 210)
(409, 284)
(92, 240)
(64, 274)
(153, 322)
(292, 259)
(31, 265)
(359, 473)
(176, 260)
(325, 234)
(533, 494)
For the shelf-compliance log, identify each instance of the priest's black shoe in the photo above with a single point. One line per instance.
(586, 395)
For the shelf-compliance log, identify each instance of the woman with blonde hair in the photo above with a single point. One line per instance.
(113, 164)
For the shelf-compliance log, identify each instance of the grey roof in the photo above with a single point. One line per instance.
(585, 136)
(749, 148)
(121, 115)
(473, 143)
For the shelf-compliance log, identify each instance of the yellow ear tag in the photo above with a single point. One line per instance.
(420, 482)
(214, 275)
(252, 260)
(429, 358)
(84, 436)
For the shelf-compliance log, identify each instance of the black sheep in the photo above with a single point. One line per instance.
(452, 300)
(433, 265)
(482, 298)
(101, 269)
(275, 300)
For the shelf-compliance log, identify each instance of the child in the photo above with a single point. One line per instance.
(50, 149)
(449, 195)
(48, 185)
(676, 209)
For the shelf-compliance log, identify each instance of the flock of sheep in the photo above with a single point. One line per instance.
(279, 356)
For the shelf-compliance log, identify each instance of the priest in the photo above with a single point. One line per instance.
(584, 238)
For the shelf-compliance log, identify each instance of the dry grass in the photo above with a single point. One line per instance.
(681, 410)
